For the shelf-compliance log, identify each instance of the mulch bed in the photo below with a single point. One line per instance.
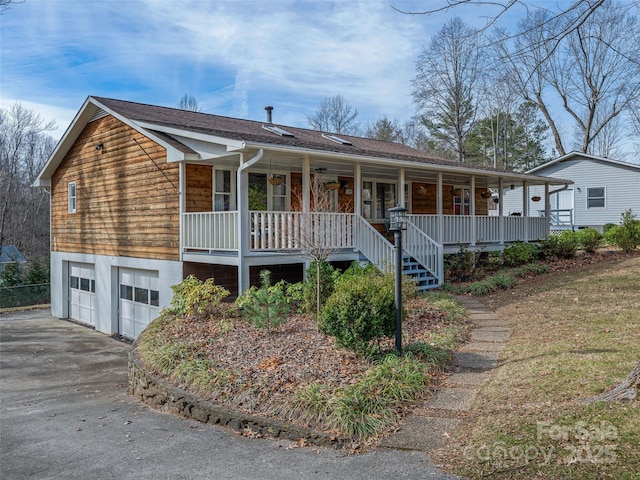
(268, 368)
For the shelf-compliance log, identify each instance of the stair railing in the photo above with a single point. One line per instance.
(425, 251)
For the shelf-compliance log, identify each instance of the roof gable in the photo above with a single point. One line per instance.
(10, 254)
(582, 156)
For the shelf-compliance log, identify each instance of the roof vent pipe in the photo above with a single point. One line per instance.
(269, 109)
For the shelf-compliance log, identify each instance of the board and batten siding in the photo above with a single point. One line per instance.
(126, 206)
(621, 183)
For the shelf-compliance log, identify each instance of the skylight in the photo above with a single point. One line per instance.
(336, 139)
(278, 131)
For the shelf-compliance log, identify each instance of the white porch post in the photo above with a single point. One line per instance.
(525, 209)
(472, 209)
(357, 198)
(501, 209)
(306, 184)
(401, 201)
(242, 185)
(440, 235)
(547, 208)
(182, 172)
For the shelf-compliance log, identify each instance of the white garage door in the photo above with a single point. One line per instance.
(82, 293)
(139, 300)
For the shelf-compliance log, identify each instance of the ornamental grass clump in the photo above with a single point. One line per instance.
(368, 407)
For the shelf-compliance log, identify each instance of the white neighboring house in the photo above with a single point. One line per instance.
(602, 190)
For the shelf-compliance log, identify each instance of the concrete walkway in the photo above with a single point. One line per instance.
(433, 421)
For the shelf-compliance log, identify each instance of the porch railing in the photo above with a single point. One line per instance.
(458, 229)
(300, 230)
(210, 231)
(560, 217)
(425, 250)
(374, 246)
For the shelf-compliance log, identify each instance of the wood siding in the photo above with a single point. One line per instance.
(423, 199)
(199, 195)
(126, 206)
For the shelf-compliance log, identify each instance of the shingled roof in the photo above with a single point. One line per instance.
(252, 132)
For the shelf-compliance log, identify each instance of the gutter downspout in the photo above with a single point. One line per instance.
(242, 188)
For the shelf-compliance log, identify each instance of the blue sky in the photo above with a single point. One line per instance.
(234, 57)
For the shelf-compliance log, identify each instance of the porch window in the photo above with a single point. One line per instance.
(461, 201)
(595, 197)
(71, 196)
(265, 196)
(222, 190)
(377, 199)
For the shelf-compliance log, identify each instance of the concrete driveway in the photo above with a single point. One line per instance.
(65, 413)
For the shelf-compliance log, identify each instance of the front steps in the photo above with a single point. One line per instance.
(423, 278)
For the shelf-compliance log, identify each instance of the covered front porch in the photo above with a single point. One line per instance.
(269, 208)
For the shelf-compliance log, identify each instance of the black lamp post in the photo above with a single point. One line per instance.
(397, 223)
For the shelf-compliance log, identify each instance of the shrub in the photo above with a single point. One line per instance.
(590, 239)
(607, 227)
(627, 234)
(328, 278)
(519, 253)
(361, 310)
(564, 245)
(267, 306)
(460, 265)
(192, 295)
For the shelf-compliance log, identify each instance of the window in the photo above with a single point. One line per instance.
(222, 190)
(461, 201)
(595, 197)
(278, 131)
(263, 195)
(377, 199)
(71, 189)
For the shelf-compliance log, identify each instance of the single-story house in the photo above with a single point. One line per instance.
(143, 196)
(602, 190)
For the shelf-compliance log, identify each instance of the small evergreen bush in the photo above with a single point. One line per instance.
(328, 278)
(519, 253)
(627, 234)
(360, 310)
(267, 306)
(192, 295)
(564, 245)
(590, 239)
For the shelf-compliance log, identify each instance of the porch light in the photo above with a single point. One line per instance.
(397, 219)
(397, 223)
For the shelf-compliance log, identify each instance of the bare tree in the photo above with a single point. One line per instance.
(188, 102)
(446, 87)
(335, 115)
(572, 14)
(24, 149)
(6, 4)
(316, 229)
(595, 73)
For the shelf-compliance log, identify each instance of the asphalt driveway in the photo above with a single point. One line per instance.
(65, 413)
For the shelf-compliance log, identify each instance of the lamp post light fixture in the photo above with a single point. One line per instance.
(397, 223)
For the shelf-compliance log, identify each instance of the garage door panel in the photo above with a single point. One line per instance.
(82, 293)
(139, 300)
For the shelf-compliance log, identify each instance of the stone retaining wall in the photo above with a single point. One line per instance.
(162, 396)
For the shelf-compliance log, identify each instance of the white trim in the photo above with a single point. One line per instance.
(582, 156)
(604, 198)
(72, 199)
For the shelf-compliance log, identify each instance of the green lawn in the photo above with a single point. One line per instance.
(575, 334)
